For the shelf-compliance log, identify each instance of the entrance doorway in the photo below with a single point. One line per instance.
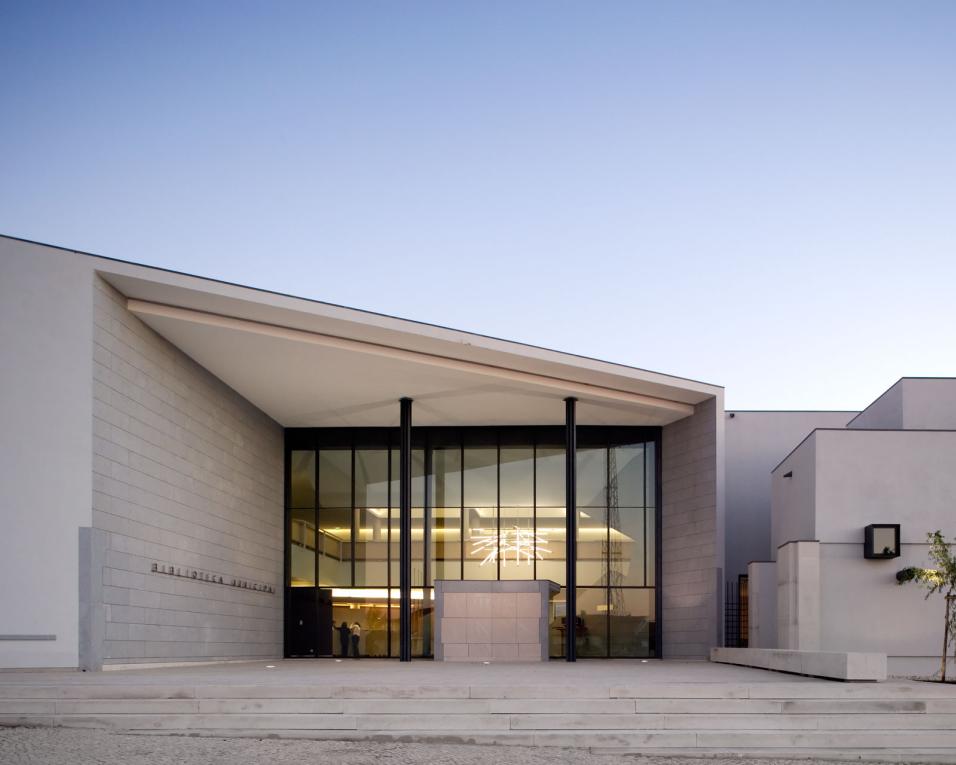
(309, 622)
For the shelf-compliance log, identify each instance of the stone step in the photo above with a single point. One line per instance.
(722, 708)
(569, 723)
(945, 722)
(785, 743)
(687, 691)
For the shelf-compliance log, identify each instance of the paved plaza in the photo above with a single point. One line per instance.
(384, 672)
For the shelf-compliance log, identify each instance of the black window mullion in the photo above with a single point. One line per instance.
(388, 558)
(498, 503)
(353, 514)
(534, 510)
(607, 549)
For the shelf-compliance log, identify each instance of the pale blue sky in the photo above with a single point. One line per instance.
(760, 195)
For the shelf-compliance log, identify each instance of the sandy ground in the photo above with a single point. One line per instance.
(60, 746)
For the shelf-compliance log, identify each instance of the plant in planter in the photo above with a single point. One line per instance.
(941, 580)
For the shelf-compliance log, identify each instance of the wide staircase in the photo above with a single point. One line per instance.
(885, 720)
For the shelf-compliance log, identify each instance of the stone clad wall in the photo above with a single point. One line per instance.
(485, 621)
(185, 559)
(691, 553)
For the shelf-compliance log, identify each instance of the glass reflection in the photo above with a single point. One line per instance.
(591, 623)
(516, 474)
(302, 548)
(335, 547)
(631, 617)
(335, 478)
(302, 479)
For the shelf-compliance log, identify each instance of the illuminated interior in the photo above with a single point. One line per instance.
(486, 505)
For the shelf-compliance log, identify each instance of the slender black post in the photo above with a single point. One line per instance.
(571, 510)
(405, 533)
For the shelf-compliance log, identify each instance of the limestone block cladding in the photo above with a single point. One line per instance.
(492, 621)
(184, 557)
(691, 535)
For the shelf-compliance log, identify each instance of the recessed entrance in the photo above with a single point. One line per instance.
(488, 504)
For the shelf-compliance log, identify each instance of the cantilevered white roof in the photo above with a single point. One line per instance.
(312, 364)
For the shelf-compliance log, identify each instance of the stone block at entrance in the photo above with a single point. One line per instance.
(492, 621)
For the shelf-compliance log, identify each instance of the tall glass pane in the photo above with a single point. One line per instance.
(481, 477)
(302, 479)
(550, 514)
(446, 542)
(335, 478)
(650, 548)
(446, 477)
(627, 475)
(626, 546)
(302, 548)
(481, 542)
(371, 478)
(551, 544)
(591, 624)
(557, 624)
(650, 473)
(335, 547)
(549, 477)
(631, 622)
(418, 546)
(592, 477)
(418, 499)
(364, 612)
(371, 547)
(517, 476)
(592, 546)
(423, 622)
(518, 543)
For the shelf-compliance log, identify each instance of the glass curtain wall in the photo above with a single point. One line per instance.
(487, 504)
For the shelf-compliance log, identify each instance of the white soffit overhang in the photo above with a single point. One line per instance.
(308, 364)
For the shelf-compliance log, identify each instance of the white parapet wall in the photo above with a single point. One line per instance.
(835, 665)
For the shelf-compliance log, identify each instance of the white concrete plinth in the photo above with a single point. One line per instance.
(835, 665)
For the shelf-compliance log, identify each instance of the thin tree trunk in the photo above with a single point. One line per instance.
(945, 642)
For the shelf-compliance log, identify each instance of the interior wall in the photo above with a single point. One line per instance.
(46, 299)
(187, 477)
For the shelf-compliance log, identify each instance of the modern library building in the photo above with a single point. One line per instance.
(195, 471)
(199, 471)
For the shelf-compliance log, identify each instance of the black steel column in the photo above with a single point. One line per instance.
(571, 510)
(405, 532)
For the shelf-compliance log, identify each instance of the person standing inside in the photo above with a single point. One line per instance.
(344, 634)
(356, 636)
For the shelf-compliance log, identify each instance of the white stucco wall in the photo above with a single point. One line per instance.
(912, 403)
(885, 412)
(929, 403)
(46, 331)
(756, 443)
(794, 496)
(905, 477)
(844, 480)
(762, 604)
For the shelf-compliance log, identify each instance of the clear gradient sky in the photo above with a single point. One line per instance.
(756, 194)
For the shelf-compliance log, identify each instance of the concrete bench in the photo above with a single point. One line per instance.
(835, 665)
